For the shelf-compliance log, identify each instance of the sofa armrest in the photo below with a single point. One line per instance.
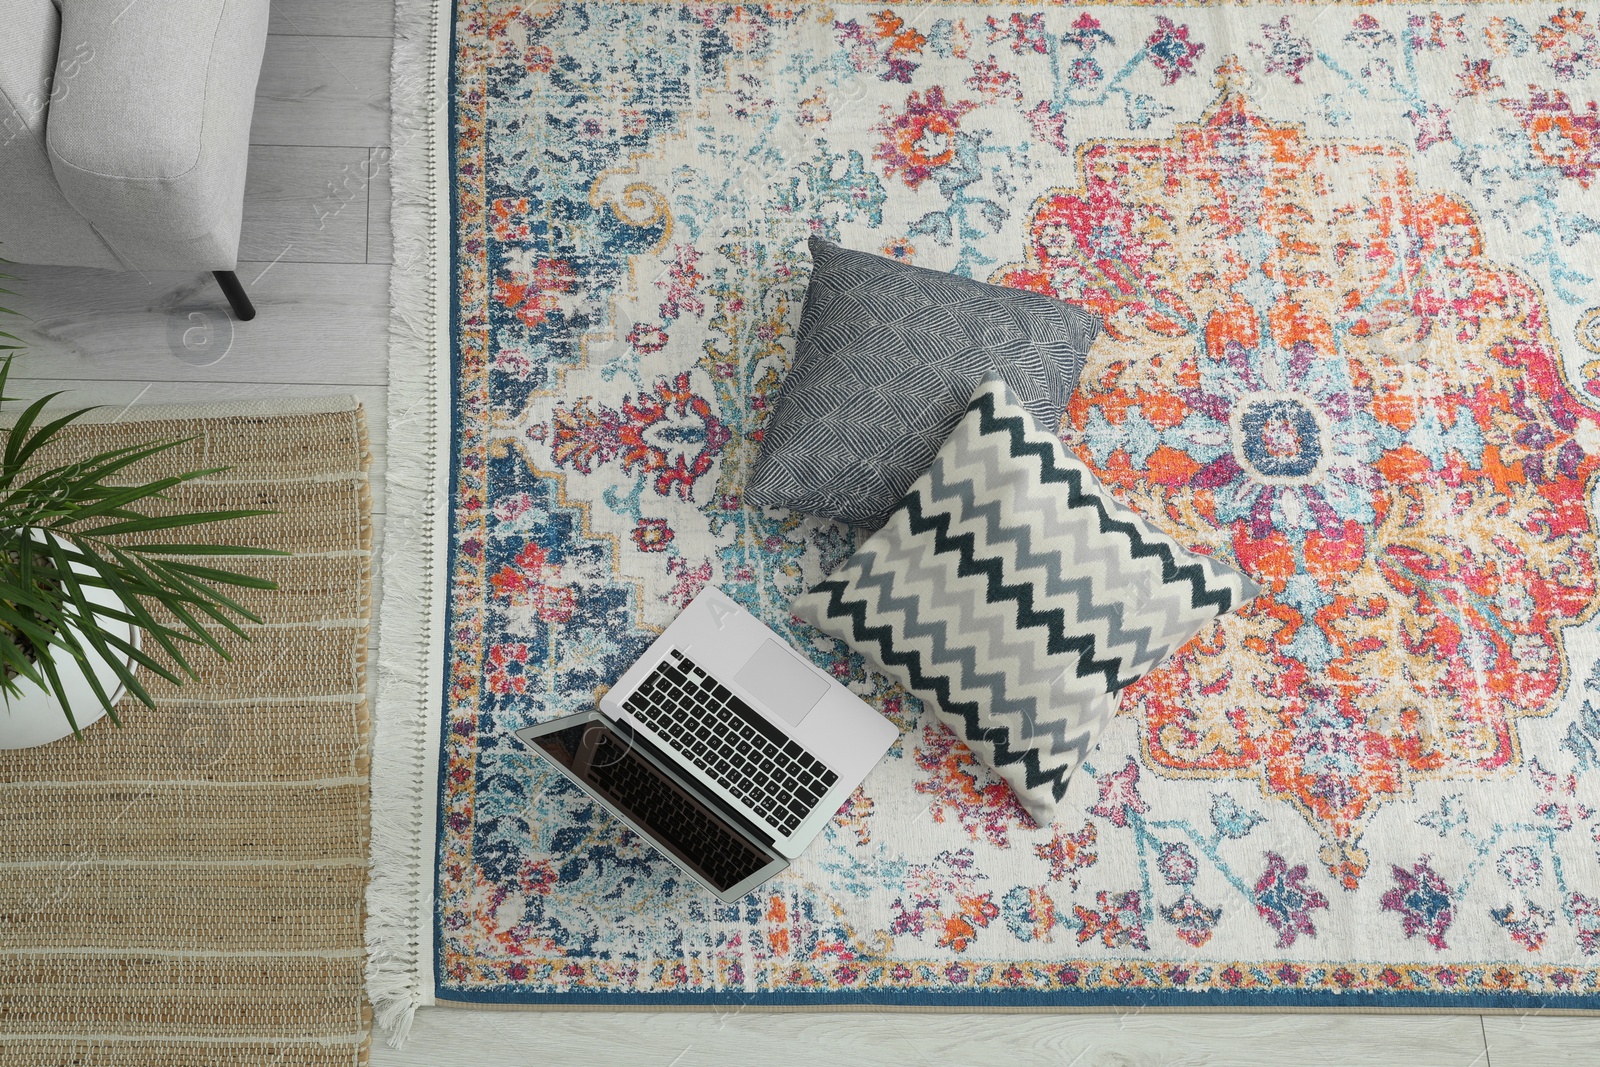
(152, 140)
(37, 225)
(27, 62)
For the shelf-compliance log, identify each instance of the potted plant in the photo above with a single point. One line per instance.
(92, 590)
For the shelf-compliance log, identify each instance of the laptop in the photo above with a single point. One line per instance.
(722, 747)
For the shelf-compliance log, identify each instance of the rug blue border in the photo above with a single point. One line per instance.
(503, 995)
(1177, 999)
(450, 520)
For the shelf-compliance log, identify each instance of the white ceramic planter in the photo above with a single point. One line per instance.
(35, 717)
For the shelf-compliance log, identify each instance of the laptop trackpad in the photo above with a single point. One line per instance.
(776, 677)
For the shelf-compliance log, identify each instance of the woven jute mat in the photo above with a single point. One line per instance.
(188, 889)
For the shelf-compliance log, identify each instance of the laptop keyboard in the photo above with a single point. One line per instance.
(730, 742)
(723, 858)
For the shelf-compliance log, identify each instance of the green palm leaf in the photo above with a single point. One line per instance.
(64, 534)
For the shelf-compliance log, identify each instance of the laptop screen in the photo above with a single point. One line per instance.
(611, 765)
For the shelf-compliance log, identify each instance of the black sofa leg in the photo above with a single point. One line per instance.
(238, 299)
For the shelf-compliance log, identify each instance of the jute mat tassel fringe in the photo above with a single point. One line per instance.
(188, 890)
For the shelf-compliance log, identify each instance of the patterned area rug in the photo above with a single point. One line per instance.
(1345, 257)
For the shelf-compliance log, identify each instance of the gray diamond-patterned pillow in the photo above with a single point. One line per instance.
(887, 356)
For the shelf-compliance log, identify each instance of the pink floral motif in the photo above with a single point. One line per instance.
(652, 535)
(1423, 900)
(1171, 51)
(681, 283)
(507, 669)
(1119, 795)
(921, 138)
(887, 46)
(511, 508)
(687, 581)
(1285, 901)
(646, 338)
(1586, 917)
(1025, 33)
(994, 82)
(1084, 72)
(1431, 32)
(855, 815)
(1368, 33)
(1432, 124)
(1477, 79)
(1050, 126)
(1086, 34)
(981, 802)
(515, 362)
(1287, 53)
(943, 897)
(1177, 864)
(1562, 138)
(1520, 866)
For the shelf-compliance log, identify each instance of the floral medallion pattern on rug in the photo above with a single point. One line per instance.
(1352, 346)
(1364, 411)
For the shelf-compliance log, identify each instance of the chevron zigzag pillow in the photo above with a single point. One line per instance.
(1016, 597)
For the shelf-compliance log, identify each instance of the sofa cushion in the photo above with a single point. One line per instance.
(886, 357)
(1016, 597)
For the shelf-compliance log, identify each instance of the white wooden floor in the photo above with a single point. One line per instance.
(315, 246)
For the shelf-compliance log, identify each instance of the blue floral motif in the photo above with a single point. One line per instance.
(1424, 902)
(1230, 819)
(1028, 913)
(1195, 922)
(1178, 865)
(1283, 898)
(1292, 436)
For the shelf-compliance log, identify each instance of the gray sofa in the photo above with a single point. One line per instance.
(124, 132)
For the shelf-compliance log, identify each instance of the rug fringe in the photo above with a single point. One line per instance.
(410, 647)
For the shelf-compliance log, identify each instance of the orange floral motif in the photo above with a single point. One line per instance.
(980, 801)
(509, 219)
(921, 138)
(535, 581)
(942, 897)
(534, 295)
(1572, 45)
(1562, 138)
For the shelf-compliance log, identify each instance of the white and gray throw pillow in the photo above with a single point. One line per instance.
(1016, 597)
(886, 357)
